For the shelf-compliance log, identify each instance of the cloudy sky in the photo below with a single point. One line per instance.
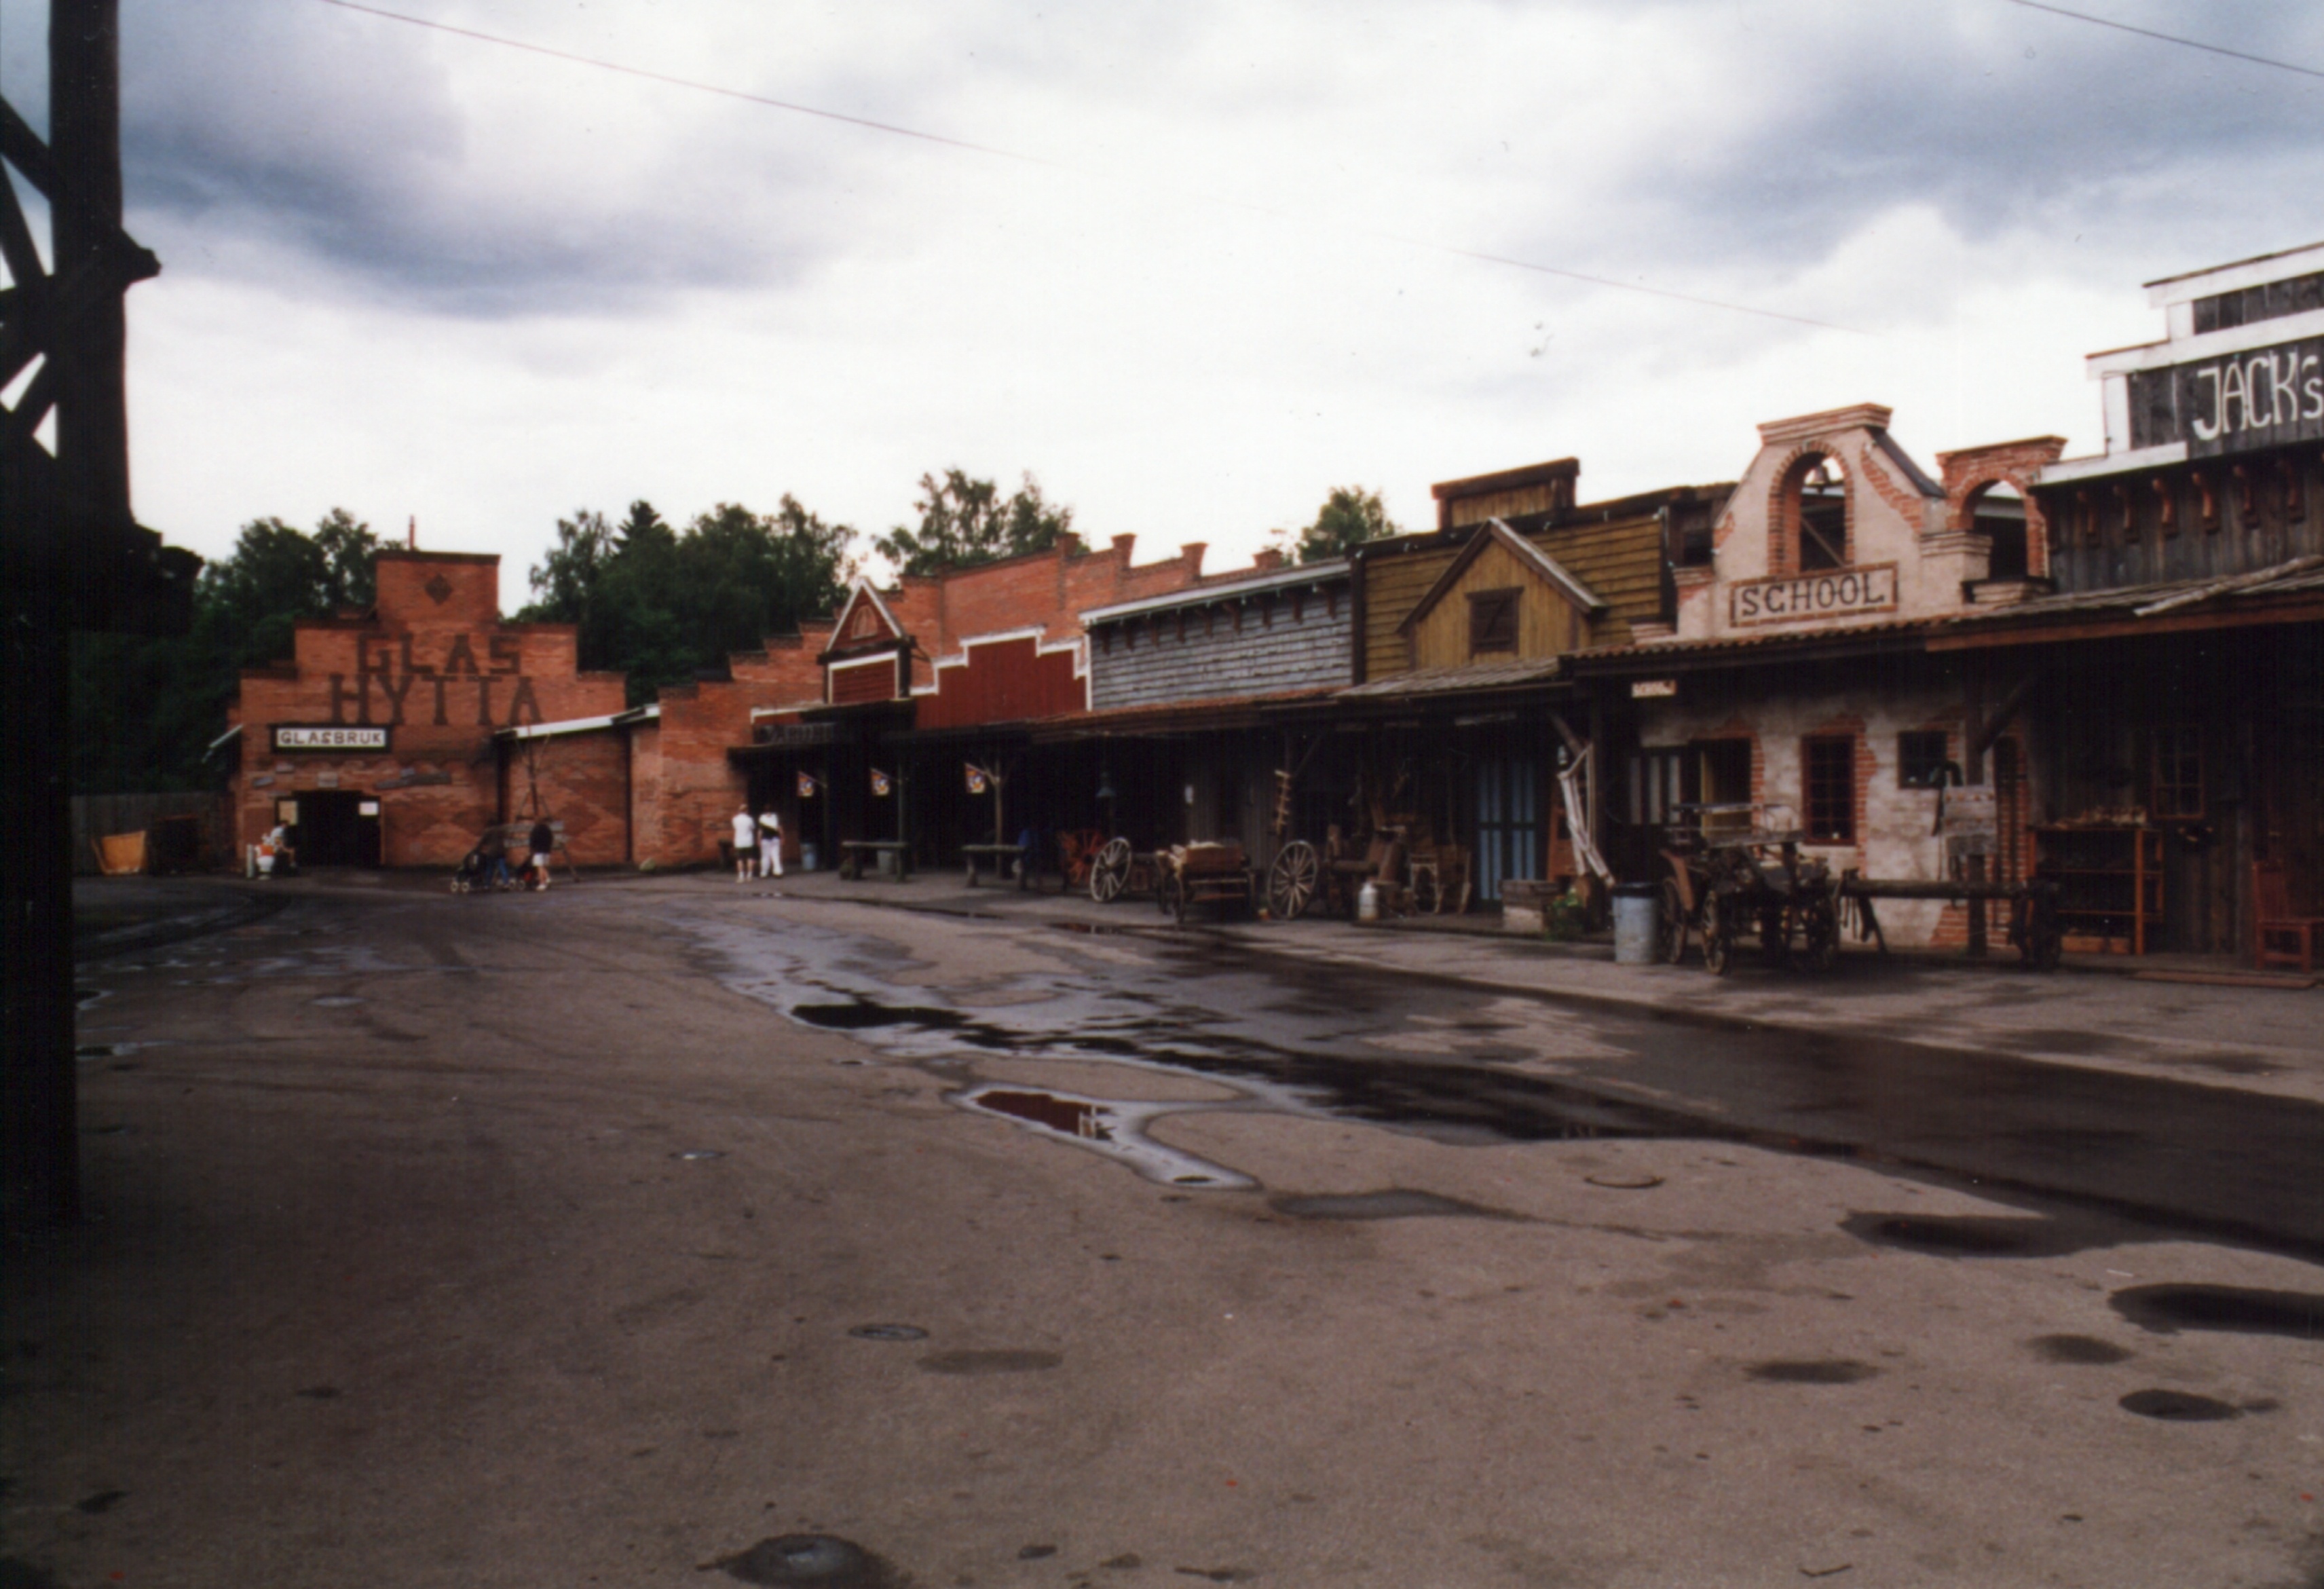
(1190, 263)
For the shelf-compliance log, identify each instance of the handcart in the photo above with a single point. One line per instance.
(1205, 875)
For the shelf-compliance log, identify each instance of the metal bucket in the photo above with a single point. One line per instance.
(1634, 908)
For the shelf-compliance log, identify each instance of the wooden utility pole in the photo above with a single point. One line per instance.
(71, 555)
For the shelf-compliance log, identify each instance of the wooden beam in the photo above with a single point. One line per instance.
(2308, 609)
(1997, 724)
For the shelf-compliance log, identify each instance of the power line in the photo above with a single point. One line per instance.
(998, 153)
(2124, 27)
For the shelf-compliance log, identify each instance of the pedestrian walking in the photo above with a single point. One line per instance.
(770, 843)
(543, 839)
(746, 843)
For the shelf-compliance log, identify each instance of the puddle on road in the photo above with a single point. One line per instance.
(2178, 1407)
(1395, 1203)
(857, 985)
(1112, 1127)
(1819, 1371)
(2166, 1309)
(1971, 1235)
(822, 1559)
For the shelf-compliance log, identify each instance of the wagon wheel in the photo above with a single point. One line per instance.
(1110, 871)
(1291, 881)
(1717, 937)
(1775, 936)
(1820, 934)
(1670, 925)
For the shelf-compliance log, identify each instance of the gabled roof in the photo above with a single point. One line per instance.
(856, 598)
(1535, 560)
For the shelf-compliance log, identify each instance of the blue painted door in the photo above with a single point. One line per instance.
(1509, 822)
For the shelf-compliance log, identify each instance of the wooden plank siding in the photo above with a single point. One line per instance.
(1524, 502)
(1393, 586)
(1548, 624)
(1620, 559)
(1207, 653)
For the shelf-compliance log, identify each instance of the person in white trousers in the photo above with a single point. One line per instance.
(770, 843)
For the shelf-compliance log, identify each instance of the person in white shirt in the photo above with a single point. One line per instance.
(746, 844)
(770, 843)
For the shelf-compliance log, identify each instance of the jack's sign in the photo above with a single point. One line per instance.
(2235, 402)
(1840, 593)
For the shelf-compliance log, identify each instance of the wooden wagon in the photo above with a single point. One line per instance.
(1205, 875)
(1720, 890)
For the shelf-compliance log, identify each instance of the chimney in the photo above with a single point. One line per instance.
(1069, 545)
(412, 534)
(1122, 545)
(1264, 561)
(1191, 554)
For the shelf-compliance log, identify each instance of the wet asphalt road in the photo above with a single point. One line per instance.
(2105, 1158)
(643, 1233)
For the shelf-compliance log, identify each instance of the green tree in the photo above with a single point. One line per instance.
(664, 608)
(1349, 516)
(144, 711)
(964, 522)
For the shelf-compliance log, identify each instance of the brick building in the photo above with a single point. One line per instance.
(919, 680)
(375, 741)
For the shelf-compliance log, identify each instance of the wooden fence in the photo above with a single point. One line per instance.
(95, 816)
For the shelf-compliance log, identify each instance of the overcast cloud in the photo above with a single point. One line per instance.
(426, 276)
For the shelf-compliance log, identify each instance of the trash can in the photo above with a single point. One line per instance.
(807, 856)
(1635, 906)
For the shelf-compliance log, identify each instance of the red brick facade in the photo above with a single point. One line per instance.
(434, 669)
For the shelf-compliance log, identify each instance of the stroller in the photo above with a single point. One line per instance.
(486, 866)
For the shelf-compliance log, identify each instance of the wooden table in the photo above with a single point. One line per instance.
(852, 852)
(999, 855)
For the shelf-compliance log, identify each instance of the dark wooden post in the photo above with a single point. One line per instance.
(70, 553)
(90, 262)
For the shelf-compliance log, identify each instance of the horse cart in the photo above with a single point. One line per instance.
(1721, 888)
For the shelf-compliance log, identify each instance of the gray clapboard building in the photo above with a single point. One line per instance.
(1197, 691)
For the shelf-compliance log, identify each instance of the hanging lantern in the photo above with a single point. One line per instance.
(976, 777)
(807, 786)
(881, 785)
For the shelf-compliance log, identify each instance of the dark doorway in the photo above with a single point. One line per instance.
(336, 828)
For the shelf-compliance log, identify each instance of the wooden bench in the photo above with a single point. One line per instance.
(853, 852)
(999, 855)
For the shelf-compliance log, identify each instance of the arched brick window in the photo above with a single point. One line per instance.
(1997, 511)
(1810, 522)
